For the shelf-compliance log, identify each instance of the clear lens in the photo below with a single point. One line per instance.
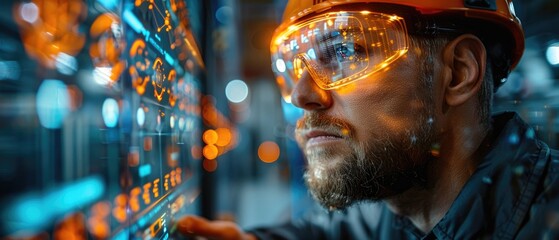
(337, 48)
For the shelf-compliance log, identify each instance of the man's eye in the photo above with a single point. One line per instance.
(348, 52)
(343, 52)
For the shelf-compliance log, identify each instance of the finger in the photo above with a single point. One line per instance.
(194, 225)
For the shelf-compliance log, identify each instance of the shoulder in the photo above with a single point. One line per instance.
(543, 219)
(361, 221)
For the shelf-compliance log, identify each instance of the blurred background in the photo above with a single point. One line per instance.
(119, 116)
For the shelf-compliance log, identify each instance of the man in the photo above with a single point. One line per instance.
(397, 100)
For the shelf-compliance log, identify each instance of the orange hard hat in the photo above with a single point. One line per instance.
(496, 13)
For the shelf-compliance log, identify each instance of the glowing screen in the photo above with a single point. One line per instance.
(100, 105)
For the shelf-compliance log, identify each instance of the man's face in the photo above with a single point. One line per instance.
(371, 139)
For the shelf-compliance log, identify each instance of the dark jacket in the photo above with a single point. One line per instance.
(514, 194)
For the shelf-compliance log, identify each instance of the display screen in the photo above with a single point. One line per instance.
(100, 105)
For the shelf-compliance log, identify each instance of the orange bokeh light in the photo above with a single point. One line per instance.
(55, 32)
(100, 229)
(209, 165)
(268, 152)
(101, 209)
(224, 137)
(210, 115)
(210, 137)
(97, 222)
(134, 202)
(72, 227)
(76, 97)
(148, 143)
(133, 157)
(196, 152)
(119, 211)
(210, 152)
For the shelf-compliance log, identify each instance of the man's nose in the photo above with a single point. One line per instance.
(308, 95)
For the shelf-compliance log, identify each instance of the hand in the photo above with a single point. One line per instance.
(224, 230)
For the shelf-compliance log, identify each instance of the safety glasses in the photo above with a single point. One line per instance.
(337, 48)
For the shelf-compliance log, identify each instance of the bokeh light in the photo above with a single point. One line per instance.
(196, 152)
(110, 112)
(29, 12)
(224, 137)
(280, 65)
(236, 91)
(311, 53)
(210, 137)
(552, 54)
(52, 103)
(140, 116)
(268, 152)
(148, 143)
(210, 152)
(66, 64)
(209, 165)
(102, 75)
(224, 14)
(9, 70)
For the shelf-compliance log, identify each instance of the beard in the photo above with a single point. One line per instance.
(370, 170)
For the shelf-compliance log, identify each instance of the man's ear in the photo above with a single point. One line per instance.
(465, 58)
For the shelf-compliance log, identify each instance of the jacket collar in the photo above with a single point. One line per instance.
(496, 198)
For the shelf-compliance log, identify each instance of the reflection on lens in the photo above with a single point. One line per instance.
(280, 65)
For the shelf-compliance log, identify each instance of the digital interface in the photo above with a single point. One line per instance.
(102, 110)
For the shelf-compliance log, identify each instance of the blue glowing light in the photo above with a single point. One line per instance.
(122, 235)
(9, 70)
(140, 117)
(169, 59)
(552, 54)
(66, 64)
(311, 53)
(36, 210)
(52, 103)
(65, 199)
(133, 21)
(111, 4)
(530, 133)
(514, 139)
(224, 14)
(144, 170)
(290, 112)
(110, 112)
(289, 65)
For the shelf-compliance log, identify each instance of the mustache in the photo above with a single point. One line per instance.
(325, 123)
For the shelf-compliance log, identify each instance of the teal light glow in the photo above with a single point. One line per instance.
(52, 103)
(110, 112)
(140, 116)
(552, 54)
(133, 21)
(110, 4)
(35, 211)
(144, 170)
